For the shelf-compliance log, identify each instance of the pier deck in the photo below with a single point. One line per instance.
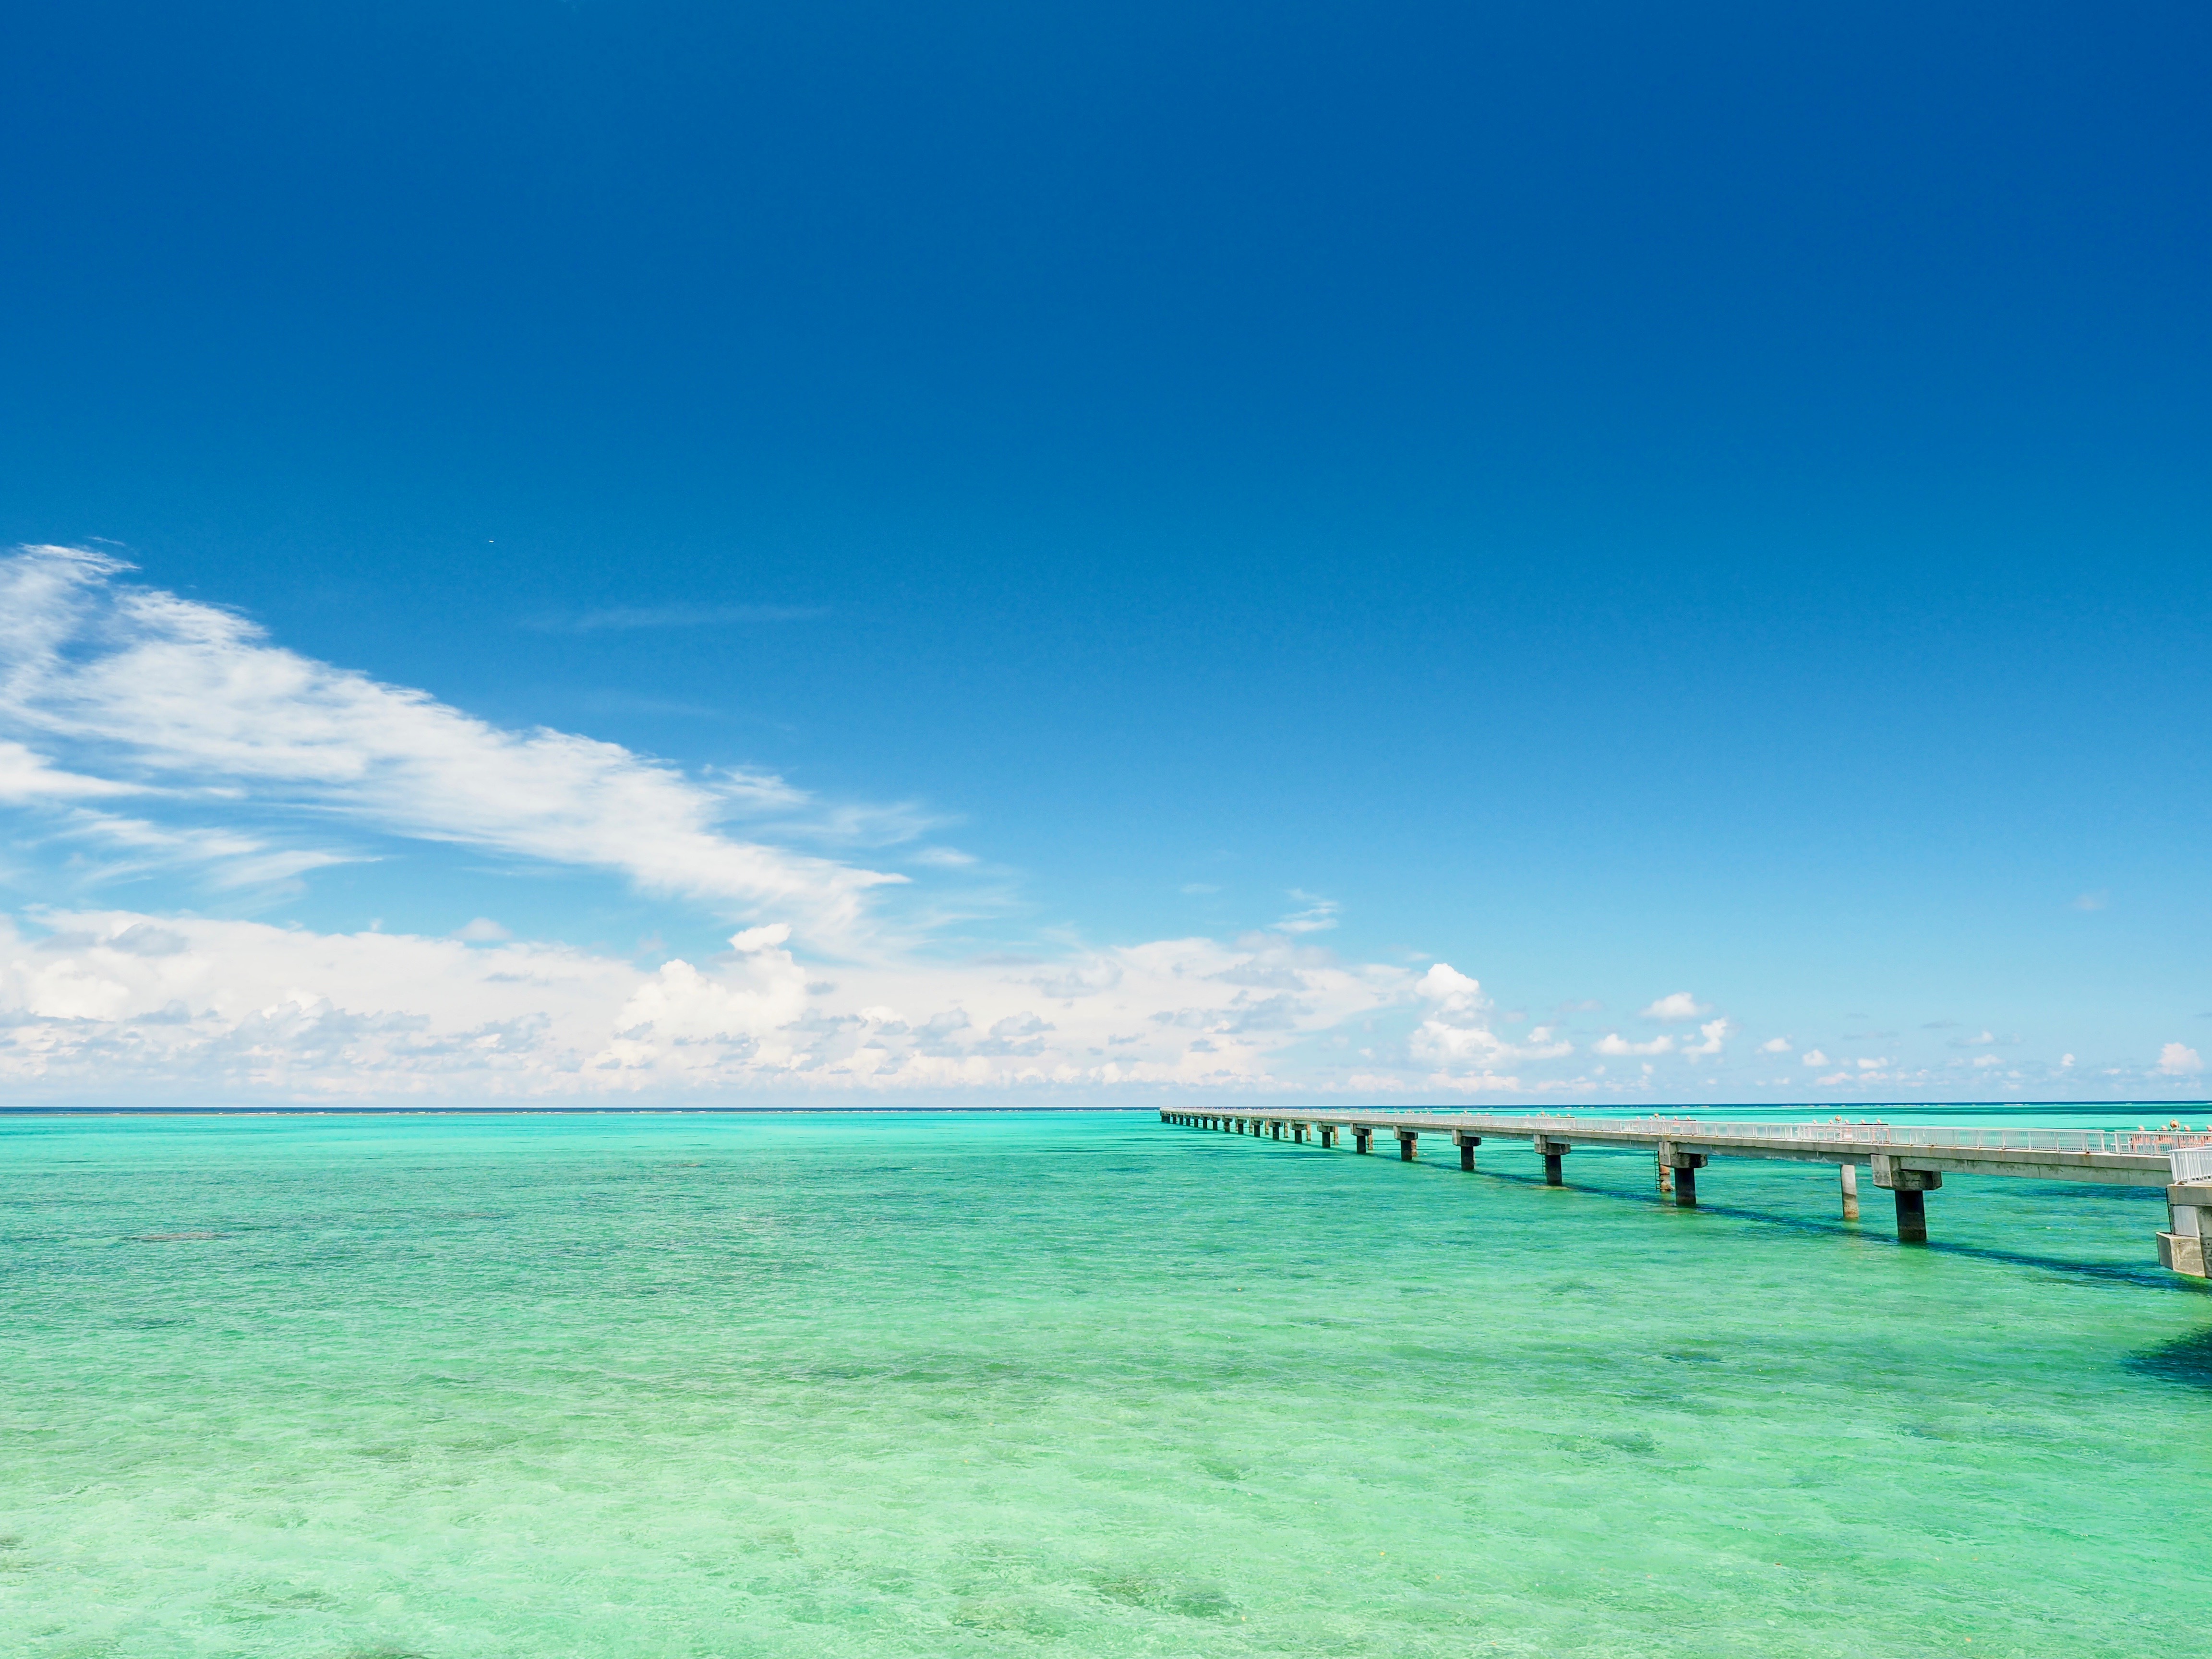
(1910, 1160)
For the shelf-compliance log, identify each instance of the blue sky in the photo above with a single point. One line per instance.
(1587, 553)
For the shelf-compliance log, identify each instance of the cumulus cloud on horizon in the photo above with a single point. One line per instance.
(200, 1006)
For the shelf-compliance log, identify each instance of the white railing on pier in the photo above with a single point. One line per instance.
(2191, 1164)
(2143, 1142)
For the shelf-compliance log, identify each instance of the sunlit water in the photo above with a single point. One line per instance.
(1066, 1385)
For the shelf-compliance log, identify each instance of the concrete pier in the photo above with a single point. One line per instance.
(1909, 1161)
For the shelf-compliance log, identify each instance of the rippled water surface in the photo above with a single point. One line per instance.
(1070, 1385)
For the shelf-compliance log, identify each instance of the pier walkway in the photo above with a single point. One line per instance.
(1908, 1160)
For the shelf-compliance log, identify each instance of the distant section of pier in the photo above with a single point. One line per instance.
(1908, 1160)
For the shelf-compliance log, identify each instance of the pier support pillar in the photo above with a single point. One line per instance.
(1467, 1144)
(1274, 1130)
(1326, 1134)
(1361, 1136)
(1409, 1145)
(1847, 1177)
(1911, 1188)
(2187, 1248)
(1552, 1151)
(1683, 1167)
(1665, 1173)
(1911, 1215)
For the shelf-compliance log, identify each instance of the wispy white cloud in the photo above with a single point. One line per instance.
(942, 858)
(1614, 1043)
(142, 687)
(1319, 915)
(631, 617)
(1812, 1057)
(1677, 1005)
(29, 777)
(1780, 1045)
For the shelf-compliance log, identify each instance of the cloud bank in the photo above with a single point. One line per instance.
(145, 736)
(200, 1007)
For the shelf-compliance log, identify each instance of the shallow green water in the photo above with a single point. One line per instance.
(1078, 1386)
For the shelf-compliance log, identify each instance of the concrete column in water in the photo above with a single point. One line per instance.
(1684, 1166)
(1467, 1144)
(1847, 1177)
(1409, 1145)
(2187, 1248)
(1910, 1188)
(1666, 1171)
(1552, 1151)
(1361, 1135)
(1326, 1134)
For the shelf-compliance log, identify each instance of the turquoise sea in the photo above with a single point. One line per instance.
(1065, 1384)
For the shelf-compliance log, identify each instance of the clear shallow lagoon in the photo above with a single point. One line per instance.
(1070, 1385)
